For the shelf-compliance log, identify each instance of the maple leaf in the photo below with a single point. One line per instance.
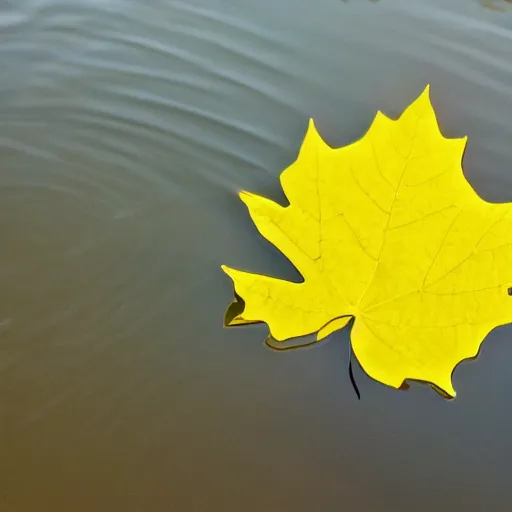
(388, 231)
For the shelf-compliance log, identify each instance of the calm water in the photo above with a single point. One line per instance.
(126, 129)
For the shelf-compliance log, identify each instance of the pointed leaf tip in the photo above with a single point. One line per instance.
(312, 136)
(311, 130)
(225, 269)
(245, 196)
(425, 95)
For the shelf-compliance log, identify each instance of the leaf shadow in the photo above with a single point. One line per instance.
(309, 341)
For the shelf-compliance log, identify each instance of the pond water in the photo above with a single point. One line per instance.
(126, 129)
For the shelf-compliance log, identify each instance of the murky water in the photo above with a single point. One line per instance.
(126, 129)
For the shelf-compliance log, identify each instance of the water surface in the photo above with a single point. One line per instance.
(127, 128)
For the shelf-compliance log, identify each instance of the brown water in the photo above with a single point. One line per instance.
(126, 129)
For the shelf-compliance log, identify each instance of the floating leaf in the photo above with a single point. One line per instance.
(387, 231)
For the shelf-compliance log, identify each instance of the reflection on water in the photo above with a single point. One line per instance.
(127, 129)
(497, 5)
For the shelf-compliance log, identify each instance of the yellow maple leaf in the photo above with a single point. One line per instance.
(387, 231)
